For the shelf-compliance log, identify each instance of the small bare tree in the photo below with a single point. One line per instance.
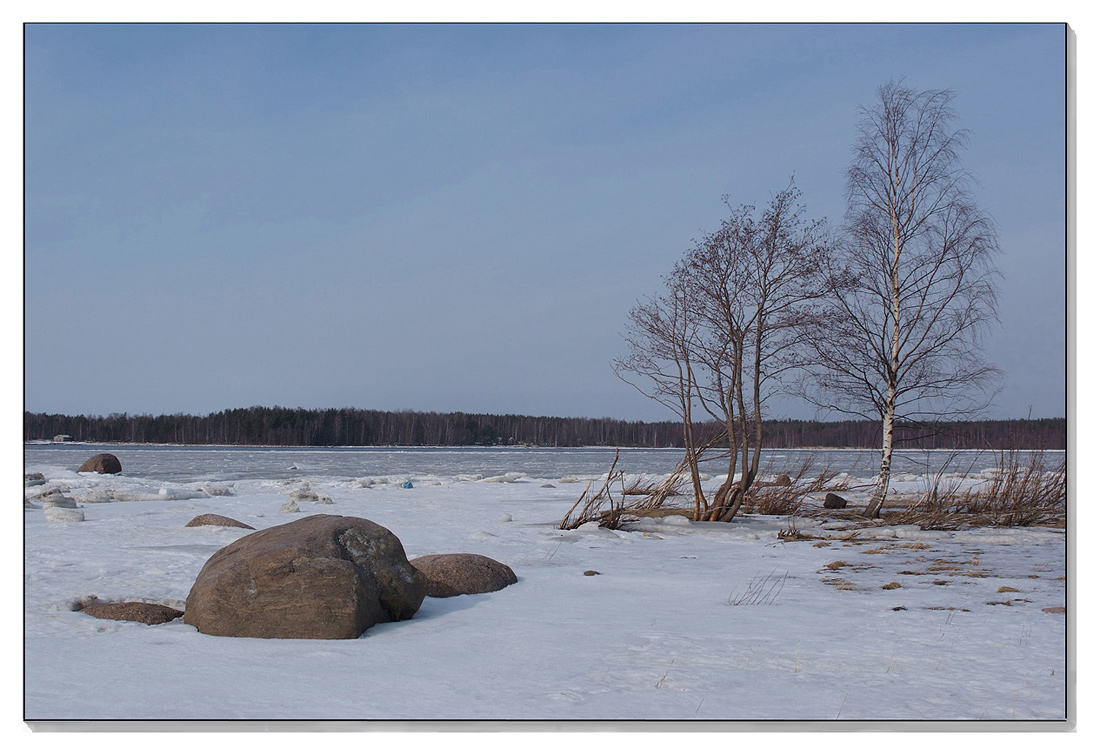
(726, 331)
(912, 278)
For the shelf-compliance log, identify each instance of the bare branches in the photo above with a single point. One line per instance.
(728, 330)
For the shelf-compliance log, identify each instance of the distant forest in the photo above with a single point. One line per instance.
(277, 426)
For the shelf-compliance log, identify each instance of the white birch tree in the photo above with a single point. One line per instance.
(912, 277)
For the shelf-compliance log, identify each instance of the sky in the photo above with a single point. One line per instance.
(460, 217)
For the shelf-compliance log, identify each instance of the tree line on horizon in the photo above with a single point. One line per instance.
(279, 426)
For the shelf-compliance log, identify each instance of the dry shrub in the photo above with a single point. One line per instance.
(786, 500)
(600, 506)
(1023, 493)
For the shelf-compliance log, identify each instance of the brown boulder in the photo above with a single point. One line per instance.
(451, 574)
(216, 520)
(320, 577)
(833, 501)
(103, 464)
(146, 613)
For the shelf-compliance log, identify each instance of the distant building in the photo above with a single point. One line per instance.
(62, 439)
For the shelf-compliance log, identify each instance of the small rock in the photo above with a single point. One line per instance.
(216, 520)
(591, 573)
(451, 574)
(548, 485)
(407, 484)
(102, 464)
(1055, 609)
(782, 480)
(833, 501)
(325, 500)
(303, 493)
(146, 613)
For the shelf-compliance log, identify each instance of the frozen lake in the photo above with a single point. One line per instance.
(184, 464)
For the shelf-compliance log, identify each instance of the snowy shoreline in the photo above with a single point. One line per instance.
(684, 621)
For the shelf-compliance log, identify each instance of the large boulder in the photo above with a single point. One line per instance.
(146, 613)
(451, 574)
(103, 464)
(320, 577)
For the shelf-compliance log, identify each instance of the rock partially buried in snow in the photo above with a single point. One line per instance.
(290, 507)
(320, 577)
(57, 500)
(102, 464)
(451, 574)
(216, 520)
(146, 613)
(833, 501)
(61, 514)
(303, 493)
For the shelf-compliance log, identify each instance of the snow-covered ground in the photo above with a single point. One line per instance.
(684, 621)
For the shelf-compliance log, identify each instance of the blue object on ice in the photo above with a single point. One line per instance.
(407, 484)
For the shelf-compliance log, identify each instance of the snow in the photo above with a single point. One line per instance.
(684, 621)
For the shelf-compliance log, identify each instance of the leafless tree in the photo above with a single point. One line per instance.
(913, 279)
(727, 330)
(660, 337)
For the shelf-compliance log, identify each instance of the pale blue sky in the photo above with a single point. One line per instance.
(458, 218)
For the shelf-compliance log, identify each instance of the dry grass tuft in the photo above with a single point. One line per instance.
(1025, 492)
(759, 591)
(786, 500)
(891, 586)
(1006, 588)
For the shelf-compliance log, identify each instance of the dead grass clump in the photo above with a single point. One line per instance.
(838, 583)
(759, 591)
(834, 566)
(1025, 491)
(786, 500)
(1006, 588)
(821, 544)
(891, 586)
